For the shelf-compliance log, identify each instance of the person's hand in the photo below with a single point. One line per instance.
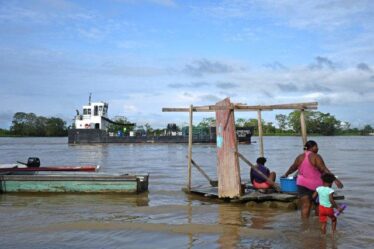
(338, 183)
(340, 209)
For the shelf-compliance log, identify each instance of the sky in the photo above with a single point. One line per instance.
(142, 55)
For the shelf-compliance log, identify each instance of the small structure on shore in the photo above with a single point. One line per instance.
(228, 170)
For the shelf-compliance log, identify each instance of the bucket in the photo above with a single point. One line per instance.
(288, 185)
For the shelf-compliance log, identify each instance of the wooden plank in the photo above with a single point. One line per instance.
(211, 182)
(229, 184)
(190, 149)
(260, 133)
(303, 127)
(241, 107)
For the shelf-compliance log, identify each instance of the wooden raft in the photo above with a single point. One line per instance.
(249, 195)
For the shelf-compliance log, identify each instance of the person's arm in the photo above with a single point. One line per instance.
(293, 167)
(251, 175)
(320, 165)
(314, 196)
(334, 205)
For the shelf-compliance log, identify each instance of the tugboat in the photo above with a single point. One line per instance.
(92, 127)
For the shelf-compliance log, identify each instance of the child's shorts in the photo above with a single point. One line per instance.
(262, 185)
(325, 212)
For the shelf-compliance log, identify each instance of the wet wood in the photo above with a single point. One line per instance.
(228, 171)
(250, 195)
(260, 133)
(189, 180)
(241, 107)
(213, 183)
(303, 127)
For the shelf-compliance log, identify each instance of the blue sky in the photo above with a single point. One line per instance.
(140, 56)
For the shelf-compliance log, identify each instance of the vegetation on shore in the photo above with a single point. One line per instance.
(31, 125)
(318, 123)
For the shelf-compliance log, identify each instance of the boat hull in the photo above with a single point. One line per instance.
(73, 184)
(87, 136)
(33, 170)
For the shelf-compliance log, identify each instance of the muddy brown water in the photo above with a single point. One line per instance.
(165, 217)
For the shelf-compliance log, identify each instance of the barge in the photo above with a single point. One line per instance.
(92, 127)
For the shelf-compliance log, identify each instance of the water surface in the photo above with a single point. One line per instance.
(168, 218)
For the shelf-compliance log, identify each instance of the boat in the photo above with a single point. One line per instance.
(74, 183)
(91, 126)
(33, 166)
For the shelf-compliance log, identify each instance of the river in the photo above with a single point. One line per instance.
(166, 217)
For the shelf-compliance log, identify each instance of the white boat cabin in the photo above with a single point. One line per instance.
(94, 116)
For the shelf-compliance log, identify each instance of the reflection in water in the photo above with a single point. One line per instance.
(231, 219)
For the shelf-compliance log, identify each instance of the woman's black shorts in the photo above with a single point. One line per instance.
(302, 191)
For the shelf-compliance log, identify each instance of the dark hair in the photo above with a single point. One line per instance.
(309, 144)
(261, 160)
(328, 177)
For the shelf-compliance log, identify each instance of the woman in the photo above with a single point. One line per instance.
(257, 179)
(311, 166)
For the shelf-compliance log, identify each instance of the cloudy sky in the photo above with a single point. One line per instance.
(142, 55)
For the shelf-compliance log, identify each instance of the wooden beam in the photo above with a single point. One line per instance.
(240, 107)
(303, 127)
(190, 149)
(211, 182)
(260, 133)
(228, 171)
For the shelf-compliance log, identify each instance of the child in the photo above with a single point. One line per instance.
(257, 180)
(326, 202)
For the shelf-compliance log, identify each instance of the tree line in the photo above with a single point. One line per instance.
(318, 123)
(29, 124)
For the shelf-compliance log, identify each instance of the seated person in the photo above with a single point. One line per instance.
(258, 181)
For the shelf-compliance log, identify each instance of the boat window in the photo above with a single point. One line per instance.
(100, 110)
(96, 110)
(85, 111)
(89, 111)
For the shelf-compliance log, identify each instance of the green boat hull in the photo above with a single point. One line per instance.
(73, 183)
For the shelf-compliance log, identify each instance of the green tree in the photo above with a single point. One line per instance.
(119, 124)
(240, 122)
(367, 129)
(55, 127)
(4, 132)
(148, 128)
(29, 124)
(253, 122)
(282, 121)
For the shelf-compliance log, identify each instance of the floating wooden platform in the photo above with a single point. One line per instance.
(74, 183)
(250, 195)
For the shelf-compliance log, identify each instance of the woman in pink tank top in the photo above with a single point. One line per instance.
(310, 166)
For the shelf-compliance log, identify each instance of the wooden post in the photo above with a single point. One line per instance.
(190, 149)
(228, 170)
(303, 126)
(260, 133)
